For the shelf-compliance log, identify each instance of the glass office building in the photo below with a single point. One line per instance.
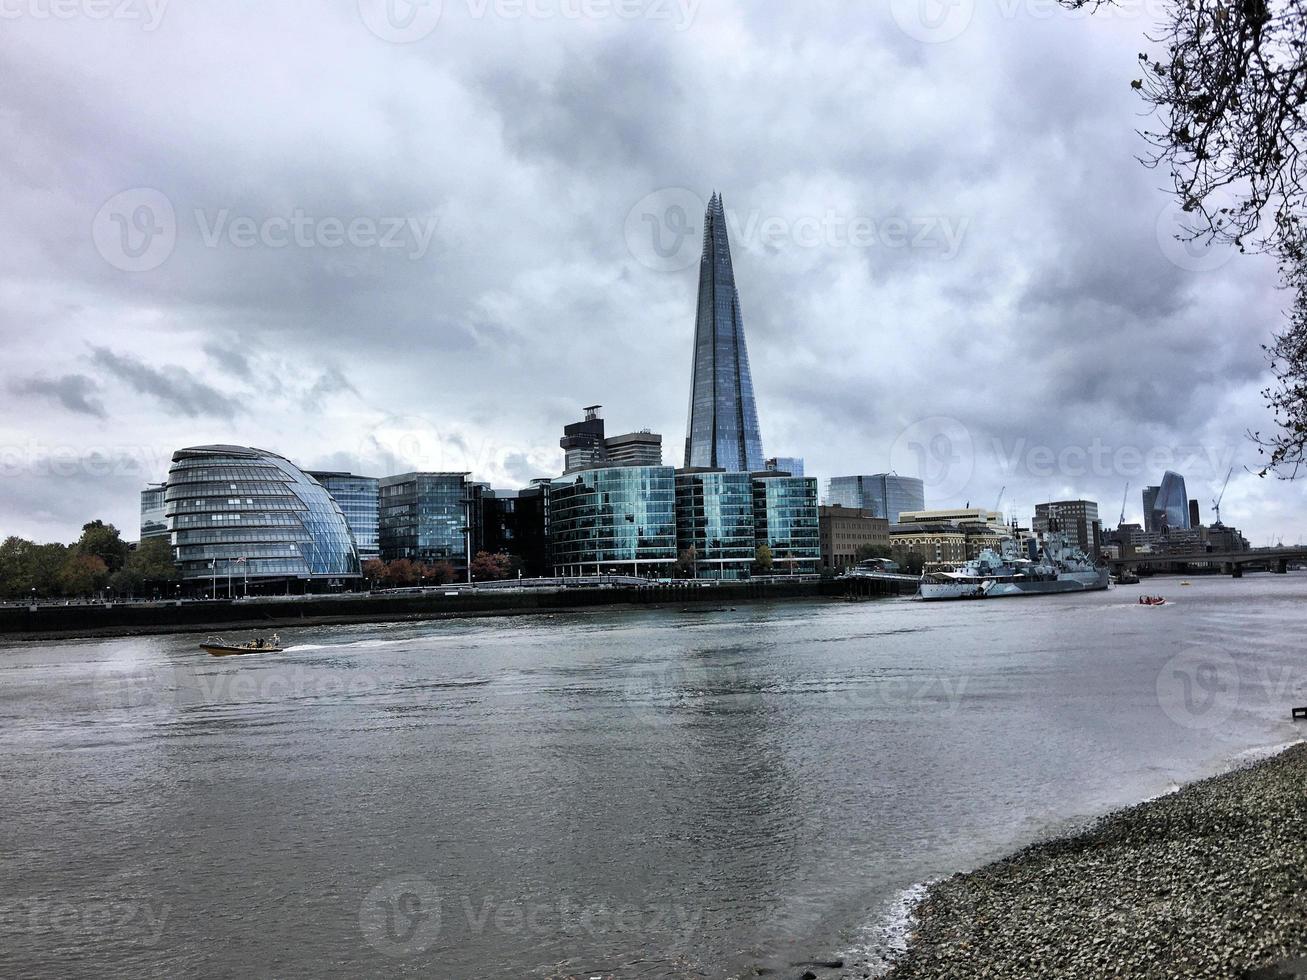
(1171, 505)
(154, 517)
(358, 500)
(614, 520)
(426, 517)
(714, 516)
(723, 426)
(786, 521)
(245, 516)
(793, 465)
(885, 495)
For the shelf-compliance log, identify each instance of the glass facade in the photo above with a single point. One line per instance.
(793, 465)
(154, 517)
(358, 500)
(1171, 506)
(714, 516)
(254, 516)
(424, 517)
(886, 495)
(785, 520)
(615, 519)
(723, 424)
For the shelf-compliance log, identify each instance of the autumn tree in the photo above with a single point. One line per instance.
(82, 574)
(374, 570)
(687, 563)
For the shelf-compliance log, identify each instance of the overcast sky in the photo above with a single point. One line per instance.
(388, 237)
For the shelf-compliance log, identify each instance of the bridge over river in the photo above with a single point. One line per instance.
(1230, 562)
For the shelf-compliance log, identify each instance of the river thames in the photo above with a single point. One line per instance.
(624, 793)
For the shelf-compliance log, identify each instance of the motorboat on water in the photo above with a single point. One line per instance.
(1152, 600)
(215, 646)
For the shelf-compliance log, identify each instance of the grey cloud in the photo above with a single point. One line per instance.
(1058, 319)
(75, 392)
(175, 387)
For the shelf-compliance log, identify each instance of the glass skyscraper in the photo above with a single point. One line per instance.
(714, 516)
(357, 496)
(253, 516)
(1171, 505)
(614, 519)
(885, 495)
(723, 425)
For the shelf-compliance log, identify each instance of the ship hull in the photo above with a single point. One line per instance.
(1066, 582)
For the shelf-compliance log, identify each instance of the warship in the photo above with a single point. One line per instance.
(1054, 568)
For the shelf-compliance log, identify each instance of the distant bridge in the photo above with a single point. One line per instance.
(1232, 562)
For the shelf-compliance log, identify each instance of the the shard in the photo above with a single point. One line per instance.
(723, 427)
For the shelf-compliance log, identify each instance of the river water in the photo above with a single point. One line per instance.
(647, 793)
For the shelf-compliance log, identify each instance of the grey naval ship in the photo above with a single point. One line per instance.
(1056, 567)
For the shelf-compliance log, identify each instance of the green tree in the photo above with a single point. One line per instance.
(82, 575)
(26, 566)
(104, 542)
(762, 558)
(147, 568)
(866, 551)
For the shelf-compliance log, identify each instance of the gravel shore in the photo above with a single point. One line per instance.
(1209, 882)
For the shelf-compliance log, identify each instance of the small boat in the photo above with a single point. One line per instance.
(216, 647)
(1152, 600)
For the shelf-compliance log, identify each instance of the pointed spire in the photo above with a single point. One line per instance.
(723, 425)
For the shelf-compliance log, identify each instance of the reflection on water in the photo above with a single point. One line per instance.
(642, 794)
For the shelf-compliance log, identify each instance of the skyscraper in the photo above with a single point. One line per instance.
(1171, 505)
(723, 426)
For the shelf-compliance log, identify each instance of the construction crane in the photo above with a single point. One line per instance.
(1216, 504)
(1124, 497)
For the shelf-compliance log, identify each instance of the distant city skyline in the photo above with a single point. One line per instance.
(896, 270)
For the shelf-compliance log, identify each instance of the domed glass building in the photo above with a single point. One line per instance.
(249, 516)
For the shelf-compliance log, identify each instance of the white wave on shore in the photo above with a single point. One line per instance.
(888, 934)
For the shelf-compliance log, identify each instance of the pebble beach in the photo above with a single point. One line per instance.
(1209, 882)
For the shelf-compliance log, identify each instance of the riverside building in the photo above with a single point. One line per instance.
(256, 522)
(429, 517)
(886, 495)
(359, 500)
(785, 522)
(154, 517)
(844, 531)
(613, 520)
(715, 522)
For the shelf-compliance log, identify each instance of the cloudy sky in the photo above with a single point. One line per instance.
(367, 234)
